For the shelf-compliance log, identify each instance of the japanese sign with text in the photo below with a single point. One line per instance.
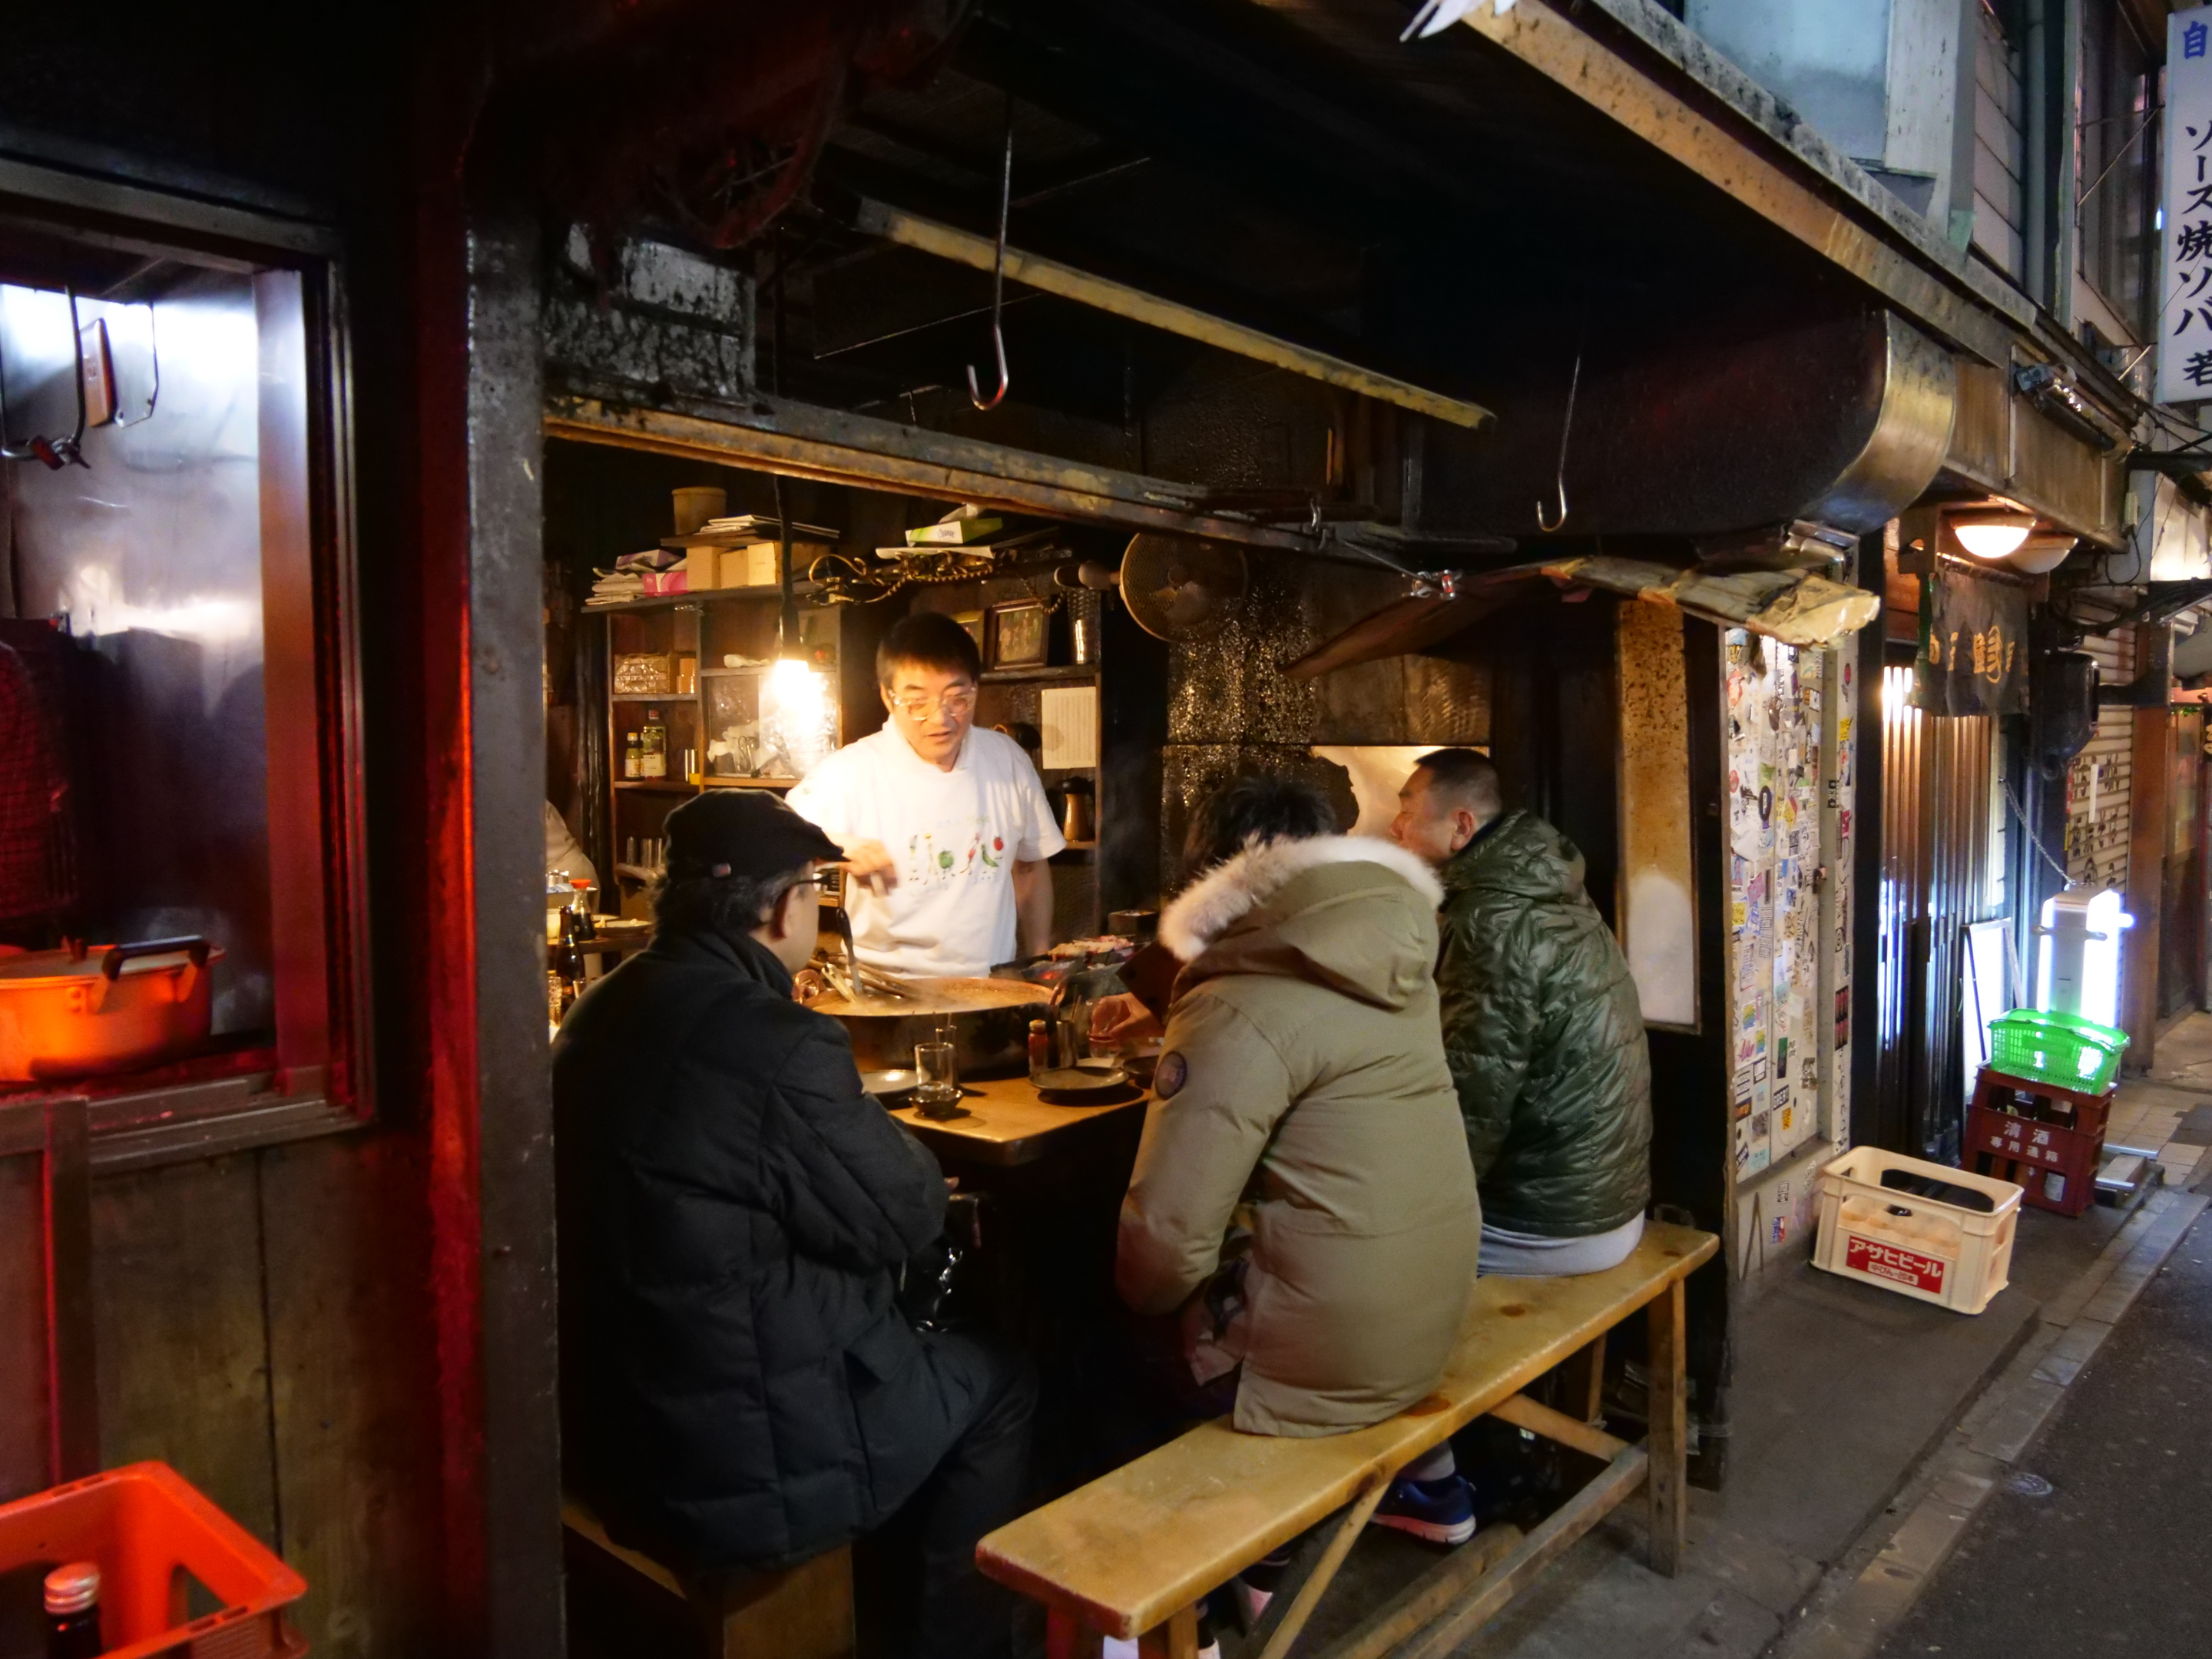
(2185, 319)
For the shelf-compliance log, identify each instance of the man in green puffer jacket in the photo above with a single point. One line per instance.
(1543, 1026)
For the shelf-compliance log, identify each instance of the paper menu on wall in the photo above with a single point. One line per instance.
(1069, 716)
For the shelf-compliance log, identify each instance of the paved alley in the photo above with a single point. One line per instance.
(2096, 1544)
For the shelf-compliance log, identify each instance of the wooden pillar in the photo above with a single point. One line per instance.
(2149, 782)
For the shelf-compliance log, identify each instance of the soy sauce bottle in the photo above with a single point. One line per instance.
(73, 1612)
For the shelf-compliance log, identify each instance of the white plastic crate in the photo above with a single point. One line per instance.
(1946, 1253)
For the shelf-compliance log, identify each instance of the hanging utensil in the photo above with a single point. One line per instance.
(1550, 526)
(999, 280)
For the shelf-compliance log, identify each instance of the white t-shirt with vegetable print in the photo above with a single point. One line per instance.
(955, 837)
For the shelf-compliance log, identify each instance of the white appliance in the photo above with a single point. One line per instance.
(2077, 962)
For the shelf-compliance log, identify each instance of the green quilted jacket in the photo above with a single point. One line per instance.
(1544, 1035)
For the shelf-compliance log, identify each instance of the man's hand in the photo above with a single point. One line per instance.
(869, 862)
(1121, 1018)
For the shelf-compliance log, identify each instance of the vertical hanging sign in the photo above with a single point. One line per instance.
(2185, 318)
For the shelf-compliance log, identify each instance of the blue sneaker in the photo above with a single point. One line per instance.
(1442, 1511)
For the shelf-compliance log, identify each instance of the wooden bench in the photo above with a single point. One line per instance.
(1132, 1553)
(803, 1611)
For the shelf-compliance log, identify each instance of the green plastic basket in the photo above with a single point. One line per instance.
(2064, 1049)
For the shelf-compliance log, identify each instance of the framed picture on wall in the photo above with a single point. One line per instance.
(1020, 635)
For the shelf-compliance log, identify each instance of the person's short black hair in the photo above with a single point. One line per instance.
(726, 905)
(1254, 806)
(933, 640)
(1465, 777)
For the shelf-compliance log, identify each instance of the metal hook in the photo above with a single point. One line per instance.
(999, 280)
(55, 452)
(1550, 526)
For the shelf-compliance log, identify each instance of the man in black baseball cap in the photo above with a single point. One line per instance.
(738, 1388)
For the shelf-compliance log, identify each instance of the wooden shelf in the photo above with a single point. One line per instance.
(654, 697)
(1059, 672)
(696, 596)
(657, 786)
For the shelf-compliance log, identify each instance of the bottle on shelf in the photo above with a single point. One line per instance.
(653, 746)
(633, 759)
(72, 1594)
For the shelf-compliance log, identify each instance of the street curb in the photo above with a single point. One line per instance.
(1860, 1599)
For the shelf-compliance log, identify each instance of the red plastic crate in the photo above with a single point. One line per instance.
(2049, 1139)
(147, 1528)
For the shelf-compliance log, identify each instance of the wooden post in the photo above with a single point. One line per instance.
(1582, 1383)
(1067, 1637)
(1175, 1639)
(2150, 774)
(1668, 1439)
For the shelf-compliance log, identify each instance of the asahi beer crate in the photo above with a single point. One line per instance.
(1917, 1228)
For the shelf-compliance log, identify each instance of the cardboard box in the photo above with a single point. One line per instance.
(755, 566)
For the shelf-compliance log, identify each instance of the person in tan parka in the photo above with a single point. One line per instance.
(1303, 1197)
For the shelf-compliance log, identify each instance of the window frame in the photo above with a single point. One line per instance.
(315, 1075)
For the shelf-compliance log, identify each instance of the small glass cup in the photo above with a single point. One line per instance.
(936, 1067)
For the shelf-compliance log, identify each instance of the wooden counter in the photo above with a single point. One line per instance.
(1007, 1123)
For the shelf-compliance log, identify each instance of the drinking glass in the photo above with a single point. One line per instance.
(938, 1068)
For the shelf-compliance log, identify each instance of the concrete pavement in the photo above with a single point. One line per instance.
(2096, 1543)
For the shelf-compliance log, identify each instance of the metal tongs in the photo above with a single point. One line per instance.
(846, 971)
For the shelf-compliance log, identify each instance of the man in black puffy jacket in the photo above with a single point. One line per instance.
(738, 1386)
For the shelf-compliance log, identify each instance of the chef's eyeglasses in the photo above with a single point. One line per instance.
(956, 703)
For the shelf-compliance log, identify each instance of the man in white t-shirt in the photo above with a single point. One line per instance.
(946, 829)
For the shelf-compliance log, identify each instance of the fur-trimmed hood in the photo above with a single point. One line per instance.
(1351, 912)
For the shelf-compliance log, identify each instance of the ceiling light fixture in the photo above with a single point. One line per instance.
(1992, 535)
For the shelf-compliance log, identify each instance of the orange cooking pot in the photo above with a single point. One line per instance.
(114, 1008)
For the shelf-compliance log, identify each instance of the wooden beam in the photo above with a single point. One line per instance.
(1118, 299)
(1537, 1417)
(1457, 1603)
(1430, 1595)
(1578, 62)
(1339, 1546)
(804, 441)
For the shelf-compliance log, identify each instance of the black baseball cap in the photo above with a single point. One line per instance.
(745, 833)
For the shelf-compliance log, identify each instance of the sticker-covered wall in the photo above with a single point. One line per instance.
(1791, 759)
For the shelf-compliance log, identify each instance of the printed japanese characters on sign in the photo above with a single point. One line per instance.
(2185, 322)
(1878, 1260)
(1973, 657)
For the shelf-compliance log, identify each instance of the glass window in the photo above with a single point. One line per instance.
(2118, 163)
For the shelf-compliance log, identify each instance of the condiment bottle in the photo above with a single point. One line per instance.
(73, 1612)
(1040, 1047)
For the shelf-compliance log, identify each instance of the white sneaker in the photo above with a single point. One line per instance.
(1125, 1647)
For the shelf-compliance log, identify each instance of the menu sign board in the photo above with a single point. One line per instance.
(2184, 316)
